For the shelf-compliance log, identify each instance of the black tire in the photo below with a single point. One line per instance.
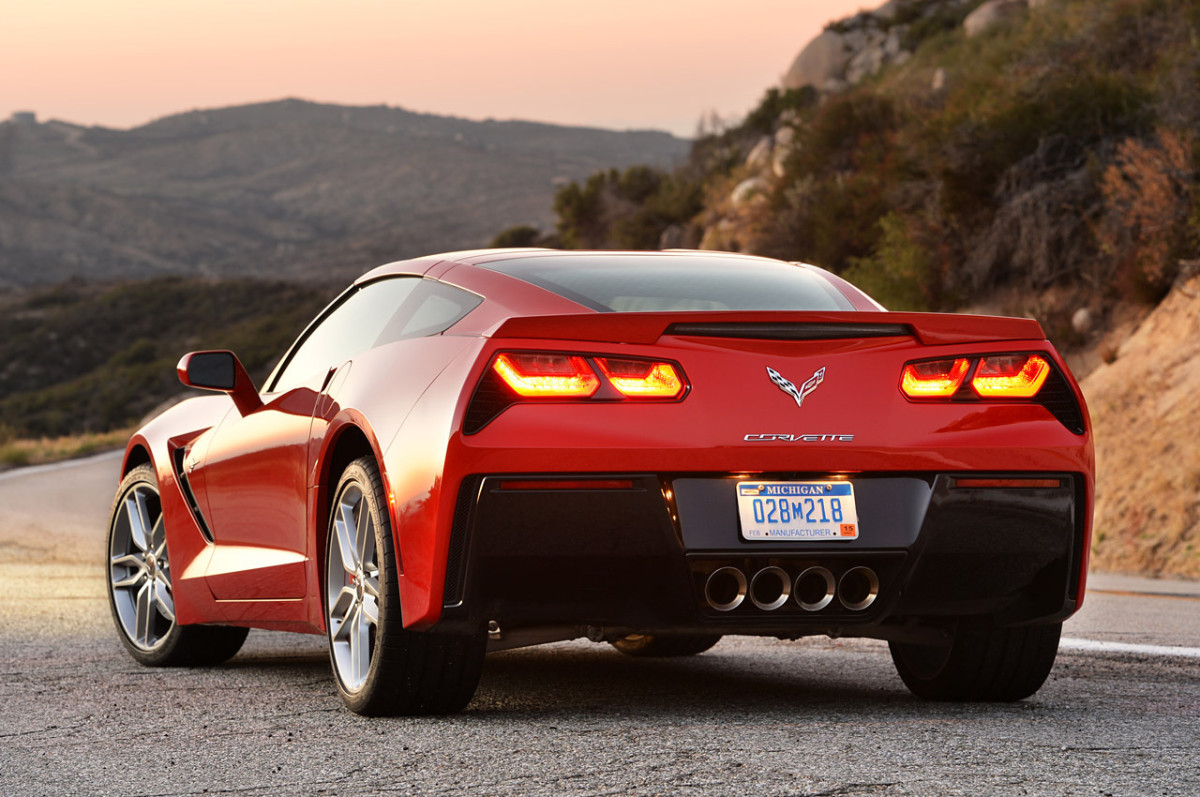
(648, 645)
(399, 671)
(983, 663)
(140, 590)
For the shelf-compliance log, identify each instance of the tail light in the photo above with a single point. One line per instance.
(1022, 377)
(642, 378)
(934, 378)
(1010, 376)
(1004, 376)
(523, 376)
(534, 375)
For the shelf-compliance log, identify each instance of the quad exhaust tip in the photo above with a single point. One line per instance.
(771, 588)
(814, 589)
(858, 588)
(725, 589)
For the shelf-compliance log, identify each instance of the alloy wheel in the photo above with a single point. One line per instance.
(352, 588)
(139, 571)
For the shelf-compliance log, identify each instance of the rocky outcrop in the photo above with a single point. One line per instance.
(858, 47)
(821, 63)
(846, 53)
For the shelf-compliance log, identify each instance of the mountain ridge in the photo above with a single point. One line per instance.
(286, 188)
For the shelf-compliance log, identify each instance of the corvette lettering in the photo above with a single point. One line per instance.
(799, 438)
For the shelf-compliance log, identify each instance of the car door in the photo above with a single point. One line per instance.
(254, 472)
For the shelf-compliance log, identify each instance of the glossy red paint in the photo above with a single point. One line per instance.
(262, 471)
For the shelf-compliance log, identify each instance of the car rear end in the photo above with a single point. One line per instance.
(833, 471)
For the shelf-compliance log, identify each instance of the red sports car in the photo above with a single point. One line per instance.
(489, 449)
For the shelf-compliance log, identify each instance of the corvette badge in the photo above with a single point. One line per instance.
(798, 393)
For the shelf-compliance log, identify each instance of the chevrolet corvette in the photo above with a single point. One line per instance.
(491, 449)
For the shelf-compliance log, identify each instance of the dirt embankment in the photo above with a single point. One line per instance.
(1145, 408)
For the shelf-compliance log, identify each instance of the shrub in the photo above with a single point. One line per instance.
(515, 237)
(1150, 210)
(625, 210)
(899, 273)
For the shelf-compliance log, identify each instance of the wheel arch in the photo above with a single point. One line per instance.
(136, 455)
(350, 442)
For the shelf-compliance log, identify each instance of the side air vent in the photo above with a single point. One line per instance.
(800, 331)
(181, 474)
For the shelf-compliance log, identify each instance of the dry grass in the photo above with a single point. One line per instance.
(19, 453)
(1144, 407)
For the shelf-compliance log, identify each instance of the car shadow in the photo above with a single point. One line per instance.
(732, 682)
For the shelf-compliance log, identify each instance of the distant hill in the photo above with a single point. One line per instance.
(282, 189)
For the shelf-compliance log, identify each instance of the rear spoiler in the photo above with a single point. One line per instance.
(646, 328)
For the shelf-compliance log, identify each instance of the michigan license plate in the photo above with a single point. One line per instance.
(797, 510)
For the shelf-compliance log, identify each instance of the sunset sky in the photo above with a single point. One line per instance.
(615, 63)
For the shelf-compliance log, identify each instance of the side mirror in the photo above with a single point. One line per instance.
(222, 371)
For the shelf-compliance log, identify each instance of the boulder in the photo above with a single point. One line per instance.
(1081, 321)
(760, 156)
(823, 60)
(888, 10)
(748, 190)
(992, 13)
(859, 47)
(785, 144)
(939, 79)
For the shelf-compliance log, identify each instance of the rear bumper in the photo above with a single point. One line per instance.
(638, 552)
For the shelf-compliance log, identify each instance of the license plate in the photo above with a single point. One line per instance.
(797, 510)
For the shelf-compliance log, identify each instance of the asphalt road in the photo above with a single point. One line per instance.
(1120, 714)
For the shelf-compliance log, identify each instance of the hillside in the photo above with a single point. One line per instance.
(1019, 157)
(281, 189)
(946, 152)
(90, 357)
(1145, 407)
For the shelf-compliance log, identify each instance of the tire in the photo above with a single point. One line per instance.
(646, 645)
(983, 663)
(140, 591)
(381, 668)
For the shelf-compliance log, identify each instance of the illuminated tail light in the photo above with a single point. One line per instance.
(515, 377)
(642, 378)
(547, 375)
(1030, 377)
(1010, 376)
(935, 378)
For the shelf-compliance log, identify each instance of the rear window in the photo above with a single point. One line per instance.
(655, 283)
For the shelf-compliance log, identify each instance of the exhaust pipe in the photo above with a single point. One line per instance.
(725, 589)
(770, 588)
(814, 589)
(858, 588)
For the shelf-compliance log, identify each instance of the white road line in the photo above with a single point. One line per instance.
(69, 463)
(1067, 643)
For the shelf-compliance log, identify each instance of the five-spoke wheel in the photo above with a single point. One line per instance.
(139, 571)
(380, 666)
(352, 587)
(140, 590)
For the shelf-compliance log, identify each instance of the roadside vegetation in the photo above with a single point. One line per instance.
(18, 452)
(80, 360)
(1052, 159)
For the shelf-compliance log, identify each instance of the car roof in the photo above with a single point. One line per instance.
(476, 257)
(438, 266)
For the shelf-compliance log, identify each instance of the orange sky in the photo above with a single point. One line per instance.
(612, 63)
